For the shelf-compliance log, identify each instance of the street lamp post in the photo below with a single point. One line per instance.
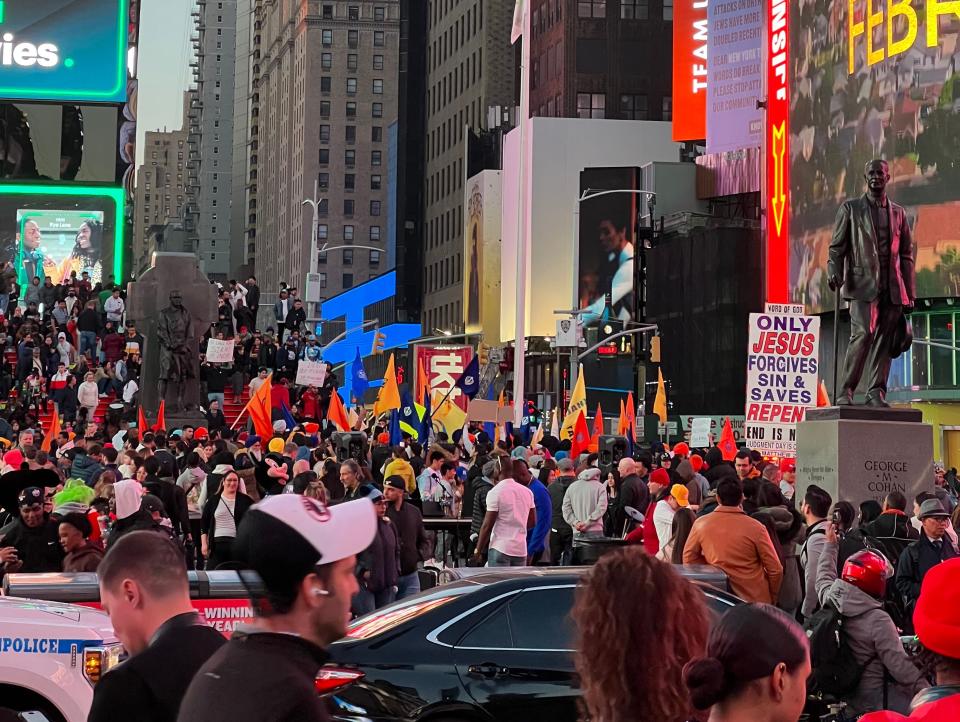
(311, 286)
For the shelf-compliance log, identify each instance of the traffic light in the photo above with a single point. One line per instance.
(378, 341)
(655, 349)
(483, 354)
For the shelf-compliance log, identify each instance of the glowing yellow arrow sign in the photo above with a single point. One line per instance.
(778, 199)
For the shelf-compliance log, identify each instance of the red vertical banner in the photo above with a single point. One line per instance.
(690, 29)
(777, 143)
(443, 366)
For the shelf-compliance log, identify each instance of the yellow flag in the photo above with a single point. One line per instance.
(389, 395)
(450, 416)
(660, 402)
(578, 405)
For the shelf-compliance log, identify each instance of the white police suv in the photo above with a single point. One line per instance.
(51, 656)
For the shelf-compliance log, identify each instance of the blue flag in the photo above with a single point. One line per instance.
(469, 381)
(359, 384)
(489, 426)
(426, 423)
(288, 417)
(409, 419)
(395, 436)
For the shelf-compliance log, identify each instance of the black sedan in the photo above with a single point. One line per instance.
(495, 645)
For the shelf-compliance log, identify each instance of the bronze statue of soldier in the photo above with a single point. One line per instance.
(177, 358)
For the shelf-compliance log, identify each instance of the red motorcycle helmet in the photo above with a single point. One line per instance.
(868, 570)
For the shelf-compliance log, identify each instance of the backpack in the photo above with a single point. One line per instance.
(835, 669)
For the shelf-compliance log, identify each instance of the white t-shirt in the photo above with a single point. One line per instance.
(512, 501)
(663, 521)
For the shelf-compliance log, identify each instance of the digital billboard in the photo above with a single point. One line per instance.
(874, 81)
(607, 236)
(51, 230)
(690, 34)
(481, 258)
(63, 50)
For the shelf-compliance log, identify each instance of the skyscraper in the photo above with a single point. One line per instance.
(159, 196)
(325, 99)
(470, 84)
(211, 140)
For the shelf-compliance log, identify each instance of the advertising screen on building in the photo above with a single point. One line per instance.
(481, 258)
(56, 50)
(50, 231)
(607, 234)
(690, 31)
(874, 81)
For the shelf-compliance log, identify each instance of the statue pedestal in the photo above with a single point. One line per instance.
(858, 453)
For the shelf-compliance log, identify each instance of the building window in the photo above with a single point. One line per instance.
(351, 62)
(322, 258)
(326, 38)
(322, 277)
(668, 9)
(322, 232)
(635, 9)
(374, 258)
(592, 8)
(324, 133)
(667, 108)
(377, 110)
(348, 206)
(634, 107)
(351, 86)
(348, 280)
(324, 156)
(377, 86)
(328, 12)
(350, 181)
(324, 108)
(326, 61)
(347, 256)
(374, 233)
(348, 233)
(323, 181)
(376, 134)
(375, 182)
(351, 109)
(375, 156)
(350, 134)
(322, 207)
(374, 208)
(350, 157)
(353, 38)
(325, 84)
(378, 62)
(353, 12)
(590, 105)
(379, 13)
(378, 38)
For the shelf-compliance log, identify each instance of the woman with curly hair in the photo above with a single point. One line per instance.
(85, 255)
(668, 628)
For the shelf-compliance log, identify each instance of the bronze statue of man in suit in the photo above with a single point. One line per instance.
(871, 256)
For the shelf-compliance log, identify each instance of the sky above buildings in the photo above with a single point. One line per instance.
(163, 70)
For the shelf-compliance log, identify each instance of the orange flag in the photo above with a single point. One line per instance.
(622, 422)
(52, 431)
(337, 414)
(823, 398)
(142, 426)
(259, 407)
(631, 430)
(161, 418)
(727, 444)
(597, 430)
(423, 383)
(581, 436)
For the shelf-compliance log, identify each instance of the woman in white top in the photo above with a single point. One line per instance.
(222, 514)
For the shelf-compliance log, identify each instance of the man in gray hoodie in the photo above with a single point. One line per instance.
(872, 636)
(816, 507)
(584, 505)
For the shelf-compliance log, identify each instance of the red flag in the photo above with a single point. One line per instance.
(142, 426)
(52, 431)
(727, 444)
(259, 408)
(161, 424)
(581, 436)
(823, 398)
(337, 414)
(622, 422)
(597, 430)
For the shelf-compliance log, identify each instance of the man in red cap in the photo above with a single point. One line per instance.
(659, 487)
(788, 478)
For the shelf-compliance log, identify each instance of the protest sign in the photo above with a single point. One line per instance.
(219, 352)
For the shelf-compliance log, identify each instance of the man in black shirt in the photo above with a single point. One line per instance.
(144, 589)
(414, 545)
(305, 554)
(33, 538)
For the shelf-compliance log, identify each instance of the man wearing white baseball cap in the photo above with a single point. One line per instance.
(305, 553)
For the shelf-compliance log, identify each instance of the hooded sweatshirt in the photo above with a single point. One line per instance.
(585, 501)
(873, 639)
